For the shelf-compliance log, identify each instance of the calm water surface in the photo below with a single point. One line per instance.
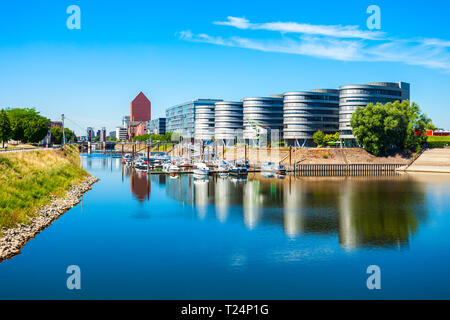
(156, 237)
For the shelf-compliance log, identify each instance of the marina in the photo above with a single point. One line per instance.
(262, 236)
(225, 159)
(162, 162)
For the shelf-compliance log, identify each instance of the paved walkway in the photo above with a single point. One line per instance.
(25, 149)
(432, 160)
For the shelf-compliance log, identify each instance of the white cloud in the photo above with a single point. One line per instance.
(436, 42)
(337, 31)
(344, 43)
(325, 48)
(240, 23)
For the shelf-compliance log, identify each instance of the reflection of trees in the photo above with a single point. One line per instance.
(380, 213)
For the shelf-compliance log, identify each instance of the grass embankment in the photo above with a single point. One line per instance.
(29, 179)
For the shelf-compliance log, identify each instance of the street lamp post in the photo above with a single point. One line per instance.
(63, 131)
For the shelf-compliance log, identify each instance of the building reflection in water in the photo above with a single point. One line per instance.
(106, 160)
(252, 204)
(201, 195)
(222, 194)
(382, 211)
(139, 184)
(293, 216)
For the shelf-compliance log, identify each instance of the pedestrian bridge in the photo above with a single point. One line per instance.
(108, 145)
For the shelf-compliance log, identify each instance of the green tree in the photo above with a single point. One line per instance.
(5, 127)
(142, 138)
(168, 136)
(318, 137)
(70, 135)
(337, 136)
(328, 138)
(331, 139)
(392, 126)
(16, 117)
(27, 125)
(56, 135)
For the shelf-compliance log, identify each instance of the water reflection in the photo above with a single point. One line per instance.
(379, 211)
(381, 214)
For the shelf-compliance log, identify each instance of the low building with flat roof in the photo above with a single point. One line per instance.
(121, 133)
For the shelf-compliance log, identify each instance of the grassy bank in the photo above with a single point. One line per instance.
(29, 179)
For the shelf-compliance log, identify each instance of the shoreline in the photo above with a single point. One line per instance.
(12, 240)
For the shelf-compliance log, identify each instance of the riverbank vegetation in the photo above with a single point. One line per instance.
(155, 138)
(438, 141)
(57, 135)
(322, 139)
(28, 180)
(28, 126)
(25, 125)
(383, 128)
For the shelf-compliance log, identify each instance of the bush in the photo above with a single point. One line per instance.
(318, 137)
(438, 144)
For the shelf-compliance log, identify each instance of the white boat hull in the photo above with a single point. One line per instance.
(201, 172)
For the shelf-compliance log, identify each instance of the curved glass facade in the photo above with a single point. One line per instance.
(354, 96)
(192, 119)
(229, 118)
(204, 122)
(306, 112)
(262, 113)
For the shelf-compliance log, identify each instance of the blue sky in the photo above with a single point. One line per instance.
(176, 51)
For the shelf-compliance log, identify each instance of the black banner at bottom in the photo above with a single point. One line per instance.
(224, 309)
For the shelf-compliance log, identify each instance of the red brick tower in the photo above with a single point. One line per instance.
(140, 108)
(140, 113)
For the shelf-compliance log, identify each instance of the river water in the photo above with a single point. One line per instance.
(135, 236)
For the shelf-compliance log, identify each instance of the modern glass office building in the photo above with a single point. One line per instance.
(293, 117)
(306, 112)
(229, 120)
(183, 118)
(204, 121)
(262, 115)
(354, 96)
(156, 126)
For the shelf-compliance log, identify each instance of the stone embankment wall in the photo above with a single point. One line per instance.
(12, 240)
